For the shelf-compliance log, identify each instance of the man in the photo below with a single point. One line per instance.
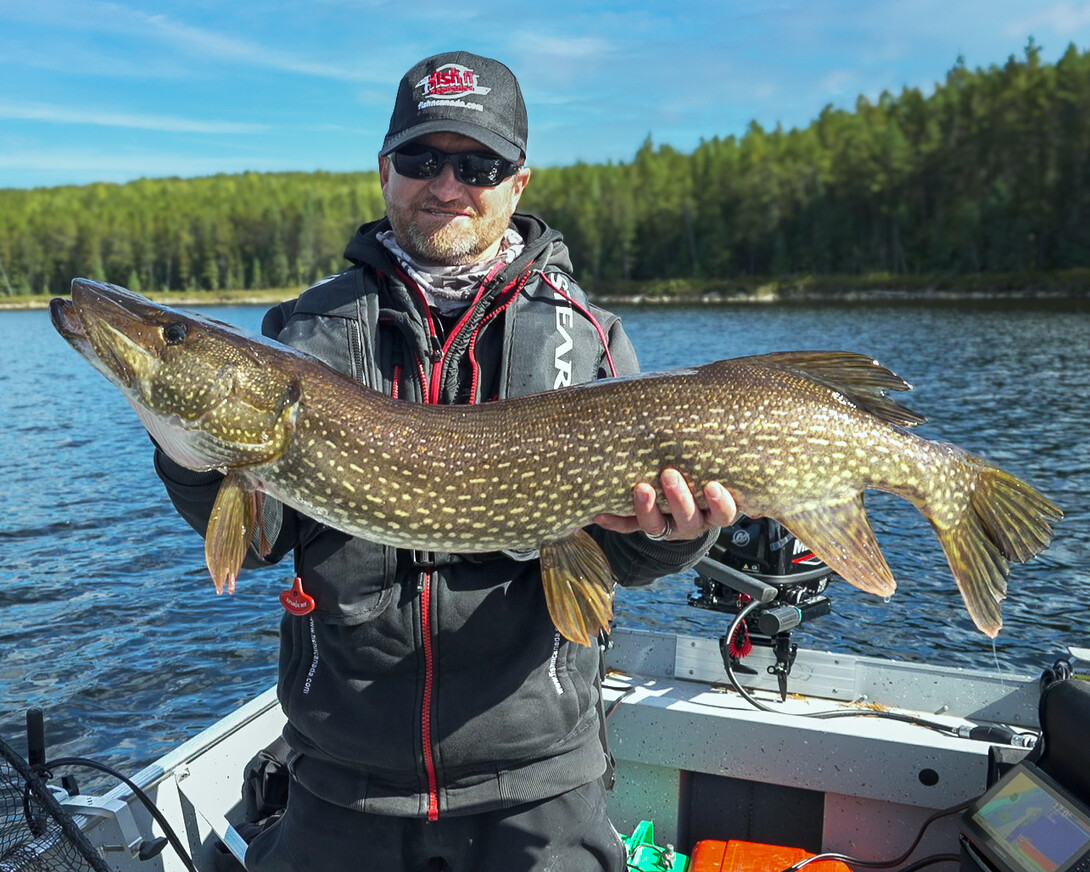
(436, 719)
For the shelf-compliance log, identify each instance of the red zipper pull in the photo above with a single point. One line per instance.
(297, 601)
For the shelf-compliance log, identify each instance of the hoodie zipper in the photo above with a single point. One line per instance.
(432, 393)
(430, 390)
(428, 694)
(424, 582)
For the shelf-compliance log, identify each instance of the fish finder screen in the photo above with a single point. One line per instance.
(1031, 827)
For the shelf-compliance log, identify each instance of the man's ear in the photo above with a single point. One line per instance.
(522, 179)
(383, 170)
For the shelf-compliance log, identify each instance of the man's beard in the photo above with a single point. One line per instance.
(456, 243)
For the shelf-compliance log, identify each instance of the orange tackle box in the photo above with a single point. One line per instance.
(736, 856)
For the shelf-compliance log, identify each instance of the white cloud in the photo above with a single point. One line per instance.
(155, 33)
(570, 48)
(71, 164)
(839, 82)
(1065, 19)
(210, 44)
(72, 115)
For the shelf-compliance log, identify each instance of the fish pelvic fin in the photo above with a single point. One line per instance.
(1006, 520)
(578, 584)
(841, 536)
(860, 379)
(230, 529)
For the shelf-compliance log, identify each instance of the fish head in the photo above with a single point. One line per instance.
(211, 397)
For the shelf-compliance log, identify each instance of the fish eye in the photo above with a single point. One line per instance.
(175, 334)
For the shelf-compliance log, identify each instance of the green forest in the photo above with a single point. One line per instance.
(988, 174)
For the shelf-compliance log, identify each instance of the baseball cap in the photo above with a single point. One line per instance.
(460, 92)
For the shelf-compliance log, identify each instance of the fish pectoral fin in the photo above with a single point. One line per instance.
(578, 584)
(229, 530)
(841, 536)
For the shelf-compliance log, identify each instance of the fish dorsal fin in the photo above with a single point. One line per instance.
(840, 535)
(861, 379)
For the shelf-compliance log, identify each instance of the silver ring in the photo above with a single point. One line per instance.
(666, 531)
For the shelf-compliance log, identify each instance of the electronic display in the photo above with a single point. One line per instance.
(1028, 823)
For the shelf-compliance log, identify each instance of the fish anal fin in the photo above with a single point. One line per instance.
(230, 528)
(578, 584)
(840, 535)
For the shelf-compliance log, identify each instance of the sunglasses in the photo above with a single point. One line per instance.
(481, 169)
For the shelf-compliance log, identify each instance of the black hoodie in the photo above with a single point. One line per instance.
(424, 684)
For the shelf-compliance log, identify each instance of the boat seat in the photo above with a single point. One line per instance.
(1063, 750)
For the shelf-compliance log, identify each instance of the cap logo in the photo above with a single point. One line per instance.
(450, 82)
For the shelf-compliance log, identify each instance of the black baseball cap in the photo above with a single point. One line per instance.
(460, 92)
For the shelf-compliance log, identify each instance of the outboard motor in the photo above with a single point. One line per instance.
(759, 571)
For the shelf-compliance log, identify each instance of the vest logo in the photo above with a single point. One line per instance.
(450, 82)
(565, 320)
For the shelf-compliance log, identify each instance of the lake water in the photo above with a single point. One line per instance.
(108, 620)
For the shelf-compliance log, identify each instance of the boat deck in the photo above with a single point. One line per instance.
(692, 755)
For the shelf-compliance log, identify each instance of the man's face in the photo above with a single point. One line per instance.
(441, 221)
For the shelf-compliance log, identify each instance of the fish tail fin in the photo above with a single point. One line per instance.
(578, 583)
(230, 529)
(1006, 520)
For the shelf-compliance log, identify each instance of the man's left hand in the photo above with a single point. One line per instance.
(685, 520)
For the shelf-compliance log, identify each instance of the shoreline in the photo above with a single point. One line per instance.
(662, 294)
(873, 295)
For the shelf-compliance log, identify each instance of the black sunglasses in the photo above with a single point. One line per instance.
(481, 169)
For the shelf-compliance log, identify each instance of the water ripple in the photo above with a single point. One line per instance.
(111, 625)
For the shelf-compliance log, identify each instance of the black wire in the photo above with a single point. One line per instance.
(735, 624)
(168, 830)
(931, 861)
(893, 716)
(837, 713)
(889, 864)
(627, 691)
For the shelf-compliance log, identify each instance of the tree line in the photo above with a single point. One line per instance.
(989, 173)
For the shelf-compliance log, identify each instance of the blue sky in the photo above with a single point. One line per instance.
(112, 91)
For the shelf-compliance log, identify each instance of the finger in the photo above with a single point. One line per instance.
(645, 517)
(687, 518)
(722, 508)
(648, 516)
(618, 523)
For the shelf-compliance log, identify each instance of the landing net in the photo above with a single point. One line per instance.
(36, 833)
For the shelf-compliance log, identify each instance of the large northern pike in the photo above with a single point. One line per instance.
(794, 436)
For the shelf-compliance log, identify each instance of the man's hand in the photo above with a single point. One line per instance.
(685, 519)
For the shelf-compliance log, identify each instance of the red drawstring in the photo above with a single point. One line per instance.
(396, 390)
(471, 351)
(586, 314)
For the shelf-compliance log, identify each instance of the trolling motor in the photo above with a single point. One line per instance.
(759, 572)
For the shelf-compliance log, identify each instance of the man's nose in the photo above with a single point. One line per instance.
(445, 186)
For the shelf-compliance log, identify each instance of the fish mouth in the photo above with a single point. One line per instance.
(66, 321)
(63, 314)
(116, 330)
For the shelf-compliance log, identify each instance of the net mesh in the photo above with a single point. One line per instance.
(36, 833)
